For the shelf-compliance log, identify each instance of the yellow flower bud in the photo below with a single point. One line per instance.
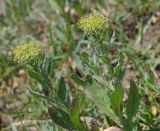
(26, 52)
(93, 23)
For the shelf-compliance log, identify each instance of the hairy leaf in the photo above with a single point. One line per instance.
(99, 96)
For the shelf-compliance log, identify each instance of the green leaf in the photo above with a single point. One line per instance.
(117, 97)
(100, 97)
(35, 76)
(132, 105)
(109, 113)
(99, 94)
(133, 100)
(75, 113)
(78, 7)
(60, 3)
(77, 79)
(85, 56)
(88, 80)
(63, 94)
(46, 80)
(86, 60)
(61, 118)
(41, 79)
(95, 69)
(119, 70)
(107, 61)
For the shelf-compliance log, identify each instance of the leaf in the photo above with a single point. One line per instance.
(88, 80)
(77, 79)
(86, 60)
(92, 67)
(100, 97)
(61, 118)
(107, 61)
(85, 56)
(79, 8)
(132, 105)
(35, 76)
(133, 100)
(97, 93)
(110, 113)
(117, 97)
(60, 3)
(119, 69)
(63, 93)
(44, 81)
(75, 113)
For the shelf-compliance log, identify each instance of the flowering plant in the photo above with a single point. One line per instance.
(101, 82)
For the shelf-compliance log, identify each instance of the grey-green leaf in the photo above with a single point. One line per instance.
(100, 97)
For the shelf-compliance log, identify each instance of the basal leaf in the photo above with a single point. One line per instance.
(132, 105)
(117, 97)
(133, 100)
(61, 118)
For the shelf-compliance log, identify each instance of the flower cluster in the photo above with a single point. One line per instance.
(93, 23)
(26, 52)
